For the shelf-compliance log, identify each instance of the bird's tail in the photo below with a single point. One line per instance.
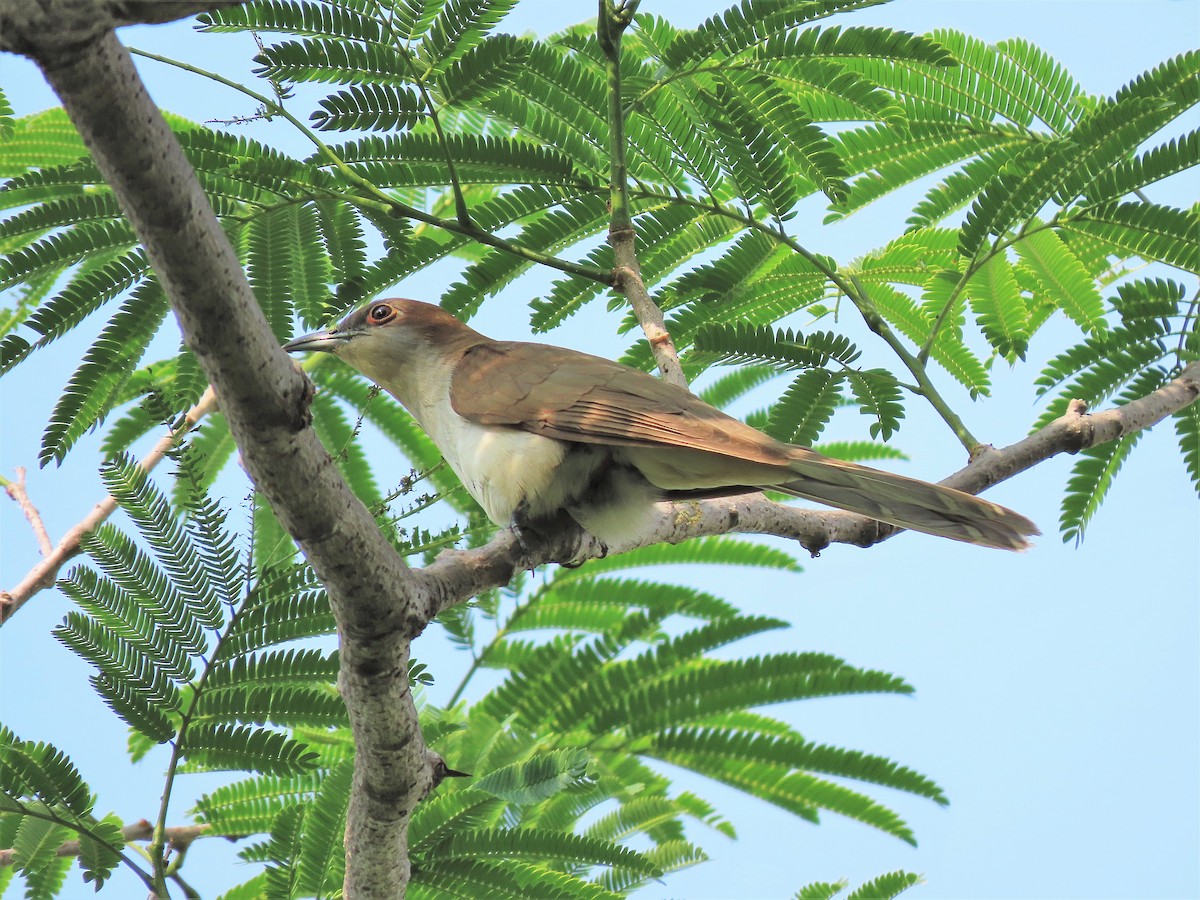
(907, 502)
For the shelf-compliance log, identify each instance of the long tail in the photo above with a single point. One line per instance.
(907, 502)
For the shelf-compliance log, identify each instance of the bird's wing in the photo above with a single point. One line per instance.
(573, 396)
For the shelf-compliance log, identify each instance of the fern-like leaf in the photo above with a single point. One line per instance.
(92, 389)
(804, 410)
(370, 107)
(878, 395)
(1062, 278)
(1153, 232)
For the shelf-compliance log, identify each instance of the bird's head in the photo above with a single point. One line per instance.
(388, 337)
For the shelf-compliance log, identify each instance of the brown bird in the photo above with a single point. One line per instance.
(532, 429)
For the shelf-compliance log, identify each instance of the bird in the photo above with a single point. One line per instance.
(533, 430)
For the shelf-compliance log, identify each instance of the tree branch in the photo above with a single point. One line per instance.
(45, 573)
(459, 574)
(178, 838)
(614, 18)
(16, 490)
(265, 400)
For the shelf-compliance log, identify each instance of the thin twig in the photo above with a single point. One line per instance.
(44, 574)
(16, 490)
(178, 837)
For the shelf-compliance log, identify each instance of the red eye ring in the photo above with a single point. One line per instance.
(381, 314)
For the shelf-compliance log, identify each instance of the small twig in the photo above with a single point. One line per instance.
(179, 837)
(44, 574)
(16, 490)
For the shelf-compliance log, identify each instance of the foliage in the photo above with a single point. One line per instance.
(1032, 212)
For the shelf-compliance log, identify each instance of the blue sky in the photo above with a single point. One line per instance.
(1058, 691)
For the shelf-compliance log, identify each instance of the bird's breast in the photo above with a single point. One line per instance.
(502, 468)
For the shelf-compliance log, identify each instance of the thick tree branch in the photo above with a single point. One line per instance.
(264, 398)
(460, 574)
(44, 574)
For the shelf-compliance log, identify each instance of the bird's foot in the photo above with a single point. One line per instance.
(548, 532)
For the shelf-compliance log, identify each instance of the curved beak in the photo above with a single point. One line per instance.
(328, 340)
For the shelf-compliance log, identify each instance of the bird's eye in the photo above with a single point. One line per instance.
(380, 314)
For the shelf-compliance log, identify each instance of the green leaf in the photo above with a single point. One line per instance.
(535, 779)
(785, 131)
(143, 695)
(916, 323)
(821, 890)
(485, 69)
(96, 282)
(332, 61)
(194, 578)
(1187, 427)
(1153, 232)
(1177, 155)
(1048, 90)
(999, 307)
(720, 550)
(299, 18)
(320, 864)
(62, 249)
(784, 350)
(534, 844)
(107, 364)
(41, 772)
(859, 451)
(252, 805)
(885, 886)
(218, 747)
(889, 158)
(1062, 278)
(370, 107)
(1092, 475)
(6, 119)
(1062, 169)
(878, 395)
(804, 410)
(1175, 79)
(36, 842)
(748, 24)
(735, 747)
(460, 26)
(100, 850)
(42, 140)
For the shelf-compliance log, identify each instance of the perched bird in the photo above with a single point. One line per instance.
(532, 429)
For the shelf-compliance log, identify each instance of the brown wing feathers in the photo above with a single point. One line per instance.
(572, 396)
(577, 397)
